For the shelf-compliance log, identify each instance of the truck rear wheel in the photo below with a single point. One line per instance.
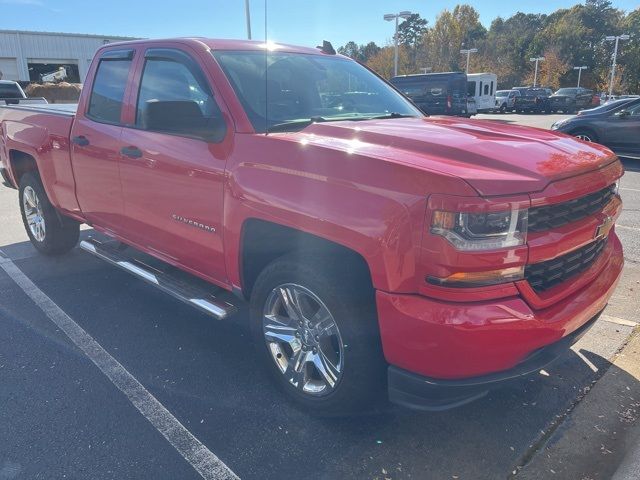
(316, 328)
(50, 232)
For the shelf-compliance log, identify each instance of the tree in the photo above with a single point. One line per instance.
(382, 62)
(368, 51)
(452, 31)
(361, 53)
(550, 71)
(567, 37)
(350, 49)
(411, 31)
(631, 53)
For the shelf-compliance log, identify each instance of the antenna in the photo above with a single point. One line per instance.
(266, 70)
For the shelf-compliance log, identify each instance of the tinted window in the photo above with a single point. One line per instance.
(486, 89)
(635, 110)
(105, 104)
(10, 90)
(175, 98)
(471, 88)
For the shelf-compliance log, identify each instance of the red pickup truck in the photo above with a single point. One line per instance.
(377, 248)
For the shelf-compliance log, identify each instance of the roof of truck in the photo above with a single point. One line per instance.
(229, 44)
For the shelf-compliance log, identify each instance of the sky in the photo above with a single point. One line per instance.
(300, 22)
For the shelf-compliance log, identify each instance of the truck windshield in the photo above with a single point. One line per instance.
(293, 89)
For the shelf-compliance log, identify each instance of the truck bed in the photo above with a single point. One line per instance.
(68, 109)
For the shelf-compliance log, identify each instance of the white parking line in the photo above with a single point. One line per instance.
(619, 321)
(192, 450)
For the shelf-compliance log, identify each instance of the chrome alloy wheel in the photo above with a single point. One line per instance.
(303, 339)
(33, 213)
(584, 137)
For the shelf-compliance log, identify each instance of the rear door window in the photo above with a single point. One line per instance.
(109, 85)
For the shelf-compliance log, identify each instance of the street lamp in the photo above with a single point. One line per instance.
(248, 15)
(584, 67)
(468, 53)
(389, 17)
(535, 75)
(615, 38)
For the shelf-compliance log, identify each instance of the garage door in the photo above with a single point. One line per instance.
(9, 68)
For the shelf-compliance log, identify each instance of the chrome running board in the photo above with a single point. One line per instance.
(189, 292)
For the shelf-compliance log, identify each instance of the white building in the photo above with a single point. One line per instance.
(28, 55)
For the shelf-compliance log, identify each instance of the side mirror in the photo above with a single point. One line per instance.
(182, 118)
(623, 113)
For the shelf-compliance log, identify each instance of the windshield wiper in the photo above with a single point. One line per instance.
(294, 125)
(384, 116)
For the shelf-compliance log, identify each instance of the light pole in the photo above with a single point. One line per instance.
(535, 75)
(584, 67)
(248, 15)
(468, 53)
(389, 17)
(615, 38)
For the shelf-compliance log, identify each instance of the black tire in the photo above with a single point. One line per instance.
(503, 108)
(585, 135)
(60, 233)
(350, 299)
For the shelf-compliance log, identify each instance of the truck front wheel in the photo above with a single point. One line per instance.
(50, 232)
(316, 328)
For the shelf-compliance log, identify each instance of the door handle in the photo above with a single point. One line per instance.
(131, 152)
(80, 140)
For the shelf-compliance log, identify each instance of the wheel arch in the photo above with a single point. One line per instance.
(585, 129)
(20, 163)
(263, 241)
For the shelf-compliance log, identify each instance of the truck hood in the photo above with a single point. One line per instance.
(492, 157)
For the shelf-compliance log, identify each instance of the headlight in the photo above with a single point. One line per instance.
(481, 231)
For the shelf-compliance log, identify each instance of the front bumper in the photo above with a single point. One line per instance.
(449, 341)
(423, 393)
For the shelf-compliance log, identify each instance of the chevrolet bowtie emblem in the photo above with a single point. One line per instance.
(603, 229)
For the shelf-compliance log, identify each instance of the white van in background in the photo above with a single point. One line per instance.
(482, 87)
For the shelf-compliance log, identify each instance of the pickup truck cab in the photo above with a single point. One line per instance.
(378, 249)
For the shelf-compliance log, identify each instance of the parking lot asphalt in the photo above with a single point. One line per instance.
(61, 417)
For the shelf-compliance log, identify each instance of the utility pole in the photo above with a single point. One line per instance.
(535, 75)
(615, 38)
(584, 67)
(389, 17)
(247, 13)
(468, 53)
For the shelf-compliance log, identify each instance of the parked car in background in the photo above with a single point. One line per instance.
(532, 99)
(436, 93)
(482, 87)
(570, 100)
(11, 93)
(615, 124)
(506, 100)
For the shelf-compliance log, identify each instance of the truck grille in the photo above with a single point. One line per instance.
(545, 275)
(553, 216)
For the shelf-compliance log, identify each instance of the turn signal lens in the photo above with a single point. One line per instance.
(479, 279)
